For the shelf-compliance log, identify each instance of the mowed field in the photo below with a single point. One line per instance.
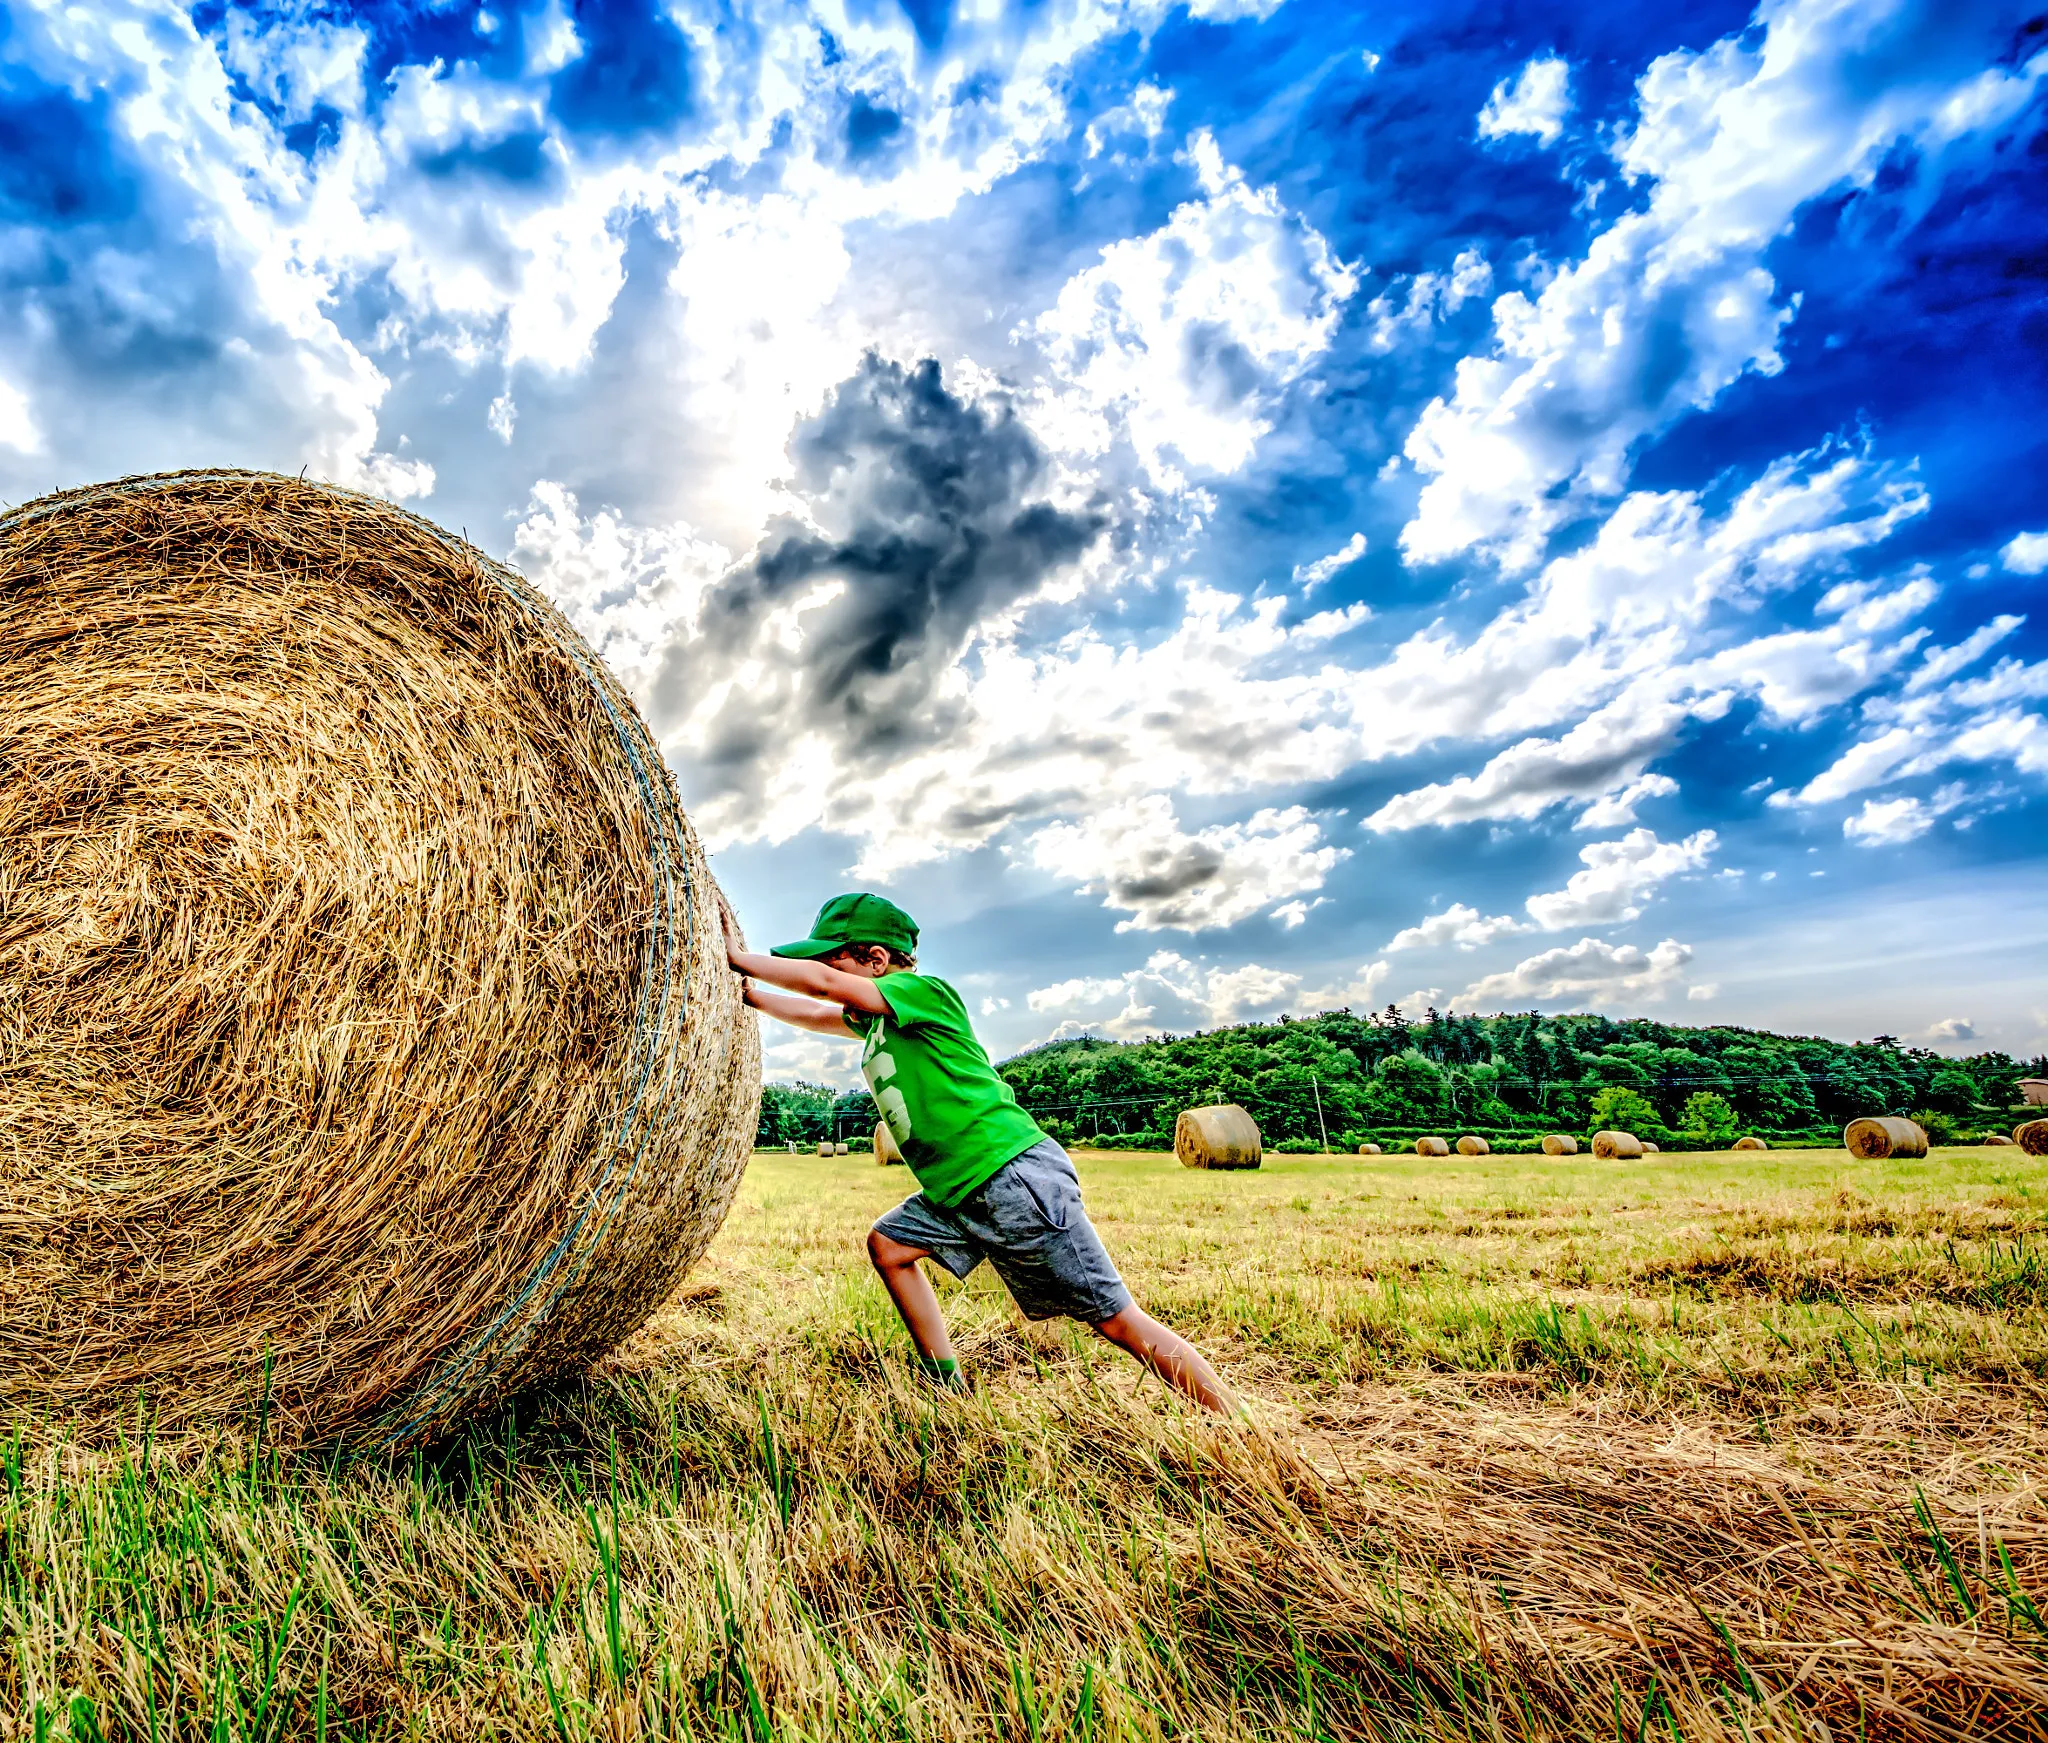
(1721, 1446)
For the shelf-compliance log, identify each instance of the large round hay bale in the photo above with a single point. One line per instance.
(841, 1149)
(888, 1153)
(1474, 1146)
(1874, 1138)
(367, 1046)
(1560, 1144)
(1617, 1146)
(1431, 1147)
(1650, 1149)
(2032, 1137)
(1368, 1149)
(1223, 1136)
(1750, 1144)
(826, 1148)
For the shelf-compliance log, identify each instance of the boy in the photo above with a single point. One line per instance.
(995, 1187)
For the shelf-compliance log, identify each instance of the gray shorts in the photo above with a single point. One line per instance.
(1026, 1220)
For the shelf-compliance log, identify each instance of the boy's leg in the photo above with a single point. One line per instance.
(916, 1300)
(1169, 1355)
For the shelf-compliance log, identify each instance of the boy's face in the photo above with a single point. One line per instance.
(870, 961)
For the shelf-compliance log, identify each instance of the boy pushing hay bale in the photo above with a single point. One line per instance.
(992, 1185)
(370, 1037)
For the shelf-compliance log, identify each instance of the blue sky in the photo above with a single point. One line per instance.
(1219, 508)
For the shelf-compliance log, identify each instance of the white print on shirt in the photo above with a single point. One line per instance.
(878, 1067)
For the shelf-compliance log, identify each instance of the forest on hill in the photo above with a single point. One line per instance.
(1343, 1079)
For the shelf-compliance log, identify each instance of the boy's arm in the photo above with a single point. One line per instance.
(812, 1014)
(848, 991)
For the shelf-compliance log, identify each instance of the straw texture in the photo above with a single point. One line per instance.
(888, 1154)
(1470, 1145)
(1431, 1147)
(1560, 1144)
(2032, 1137)
(1617, 1146)
(1223, 1136)
(1875, 1138)
(367, 1049)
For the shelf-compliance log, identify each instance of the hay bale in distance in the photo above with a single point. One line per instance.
(1560, 1144)
(1874, 1138)
(1750, 1144)
(887, 1152)
(1223, 1136)
(1431, 1147)
(841, 1150)
(1996, 1140)
(1474, 1146)
(1650, 1149)
(1617, 1146)
(2032, 1137)
(366, 997)
(1368, 1149)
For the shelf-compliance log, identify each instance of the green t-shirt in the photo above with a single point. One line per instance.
(954, 1119)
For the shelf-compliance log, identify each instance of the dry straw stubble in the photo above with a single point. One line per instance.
(366, 1039)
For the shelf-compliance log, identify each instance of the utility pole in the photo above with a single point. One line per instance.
(1320, 1126)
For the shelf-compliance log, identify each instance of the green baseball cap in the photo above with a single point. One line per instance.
(858, 918)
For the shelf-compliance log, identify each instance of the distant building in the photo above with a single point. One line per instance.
(2034, 1091)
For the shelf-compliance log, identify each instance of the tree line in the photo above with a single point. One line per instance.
(1342, 1078)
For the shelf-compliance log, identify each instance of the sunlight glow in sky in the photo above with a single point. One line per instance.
(1219, 508)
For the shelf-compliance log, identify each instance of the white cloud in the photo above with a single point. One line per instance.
(1465, 927)
(1171, 992)
(1182, 338)
(1672, 302)
(1165, 877)
(1952, 1029)
(17, 421)
(2026, 553)
(1620, 876)
(1307, 575)
(1536, 101)
(1588, 969)
(1619, 806)
(1701, 991)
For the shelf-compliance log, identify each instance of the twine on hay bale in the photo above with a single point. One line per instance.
(1750, 1144)
(1368, 1149)
(1560, 1144)
(1431, 1147)
(363, 1006)
(1474, 1146)
(888, 1154)
(1617, 1146)
(1223, 1136)
(2032, 1137)
(1872, 1139)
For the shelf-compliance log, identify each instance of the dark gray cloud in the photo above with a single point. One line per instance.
(928, 507)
